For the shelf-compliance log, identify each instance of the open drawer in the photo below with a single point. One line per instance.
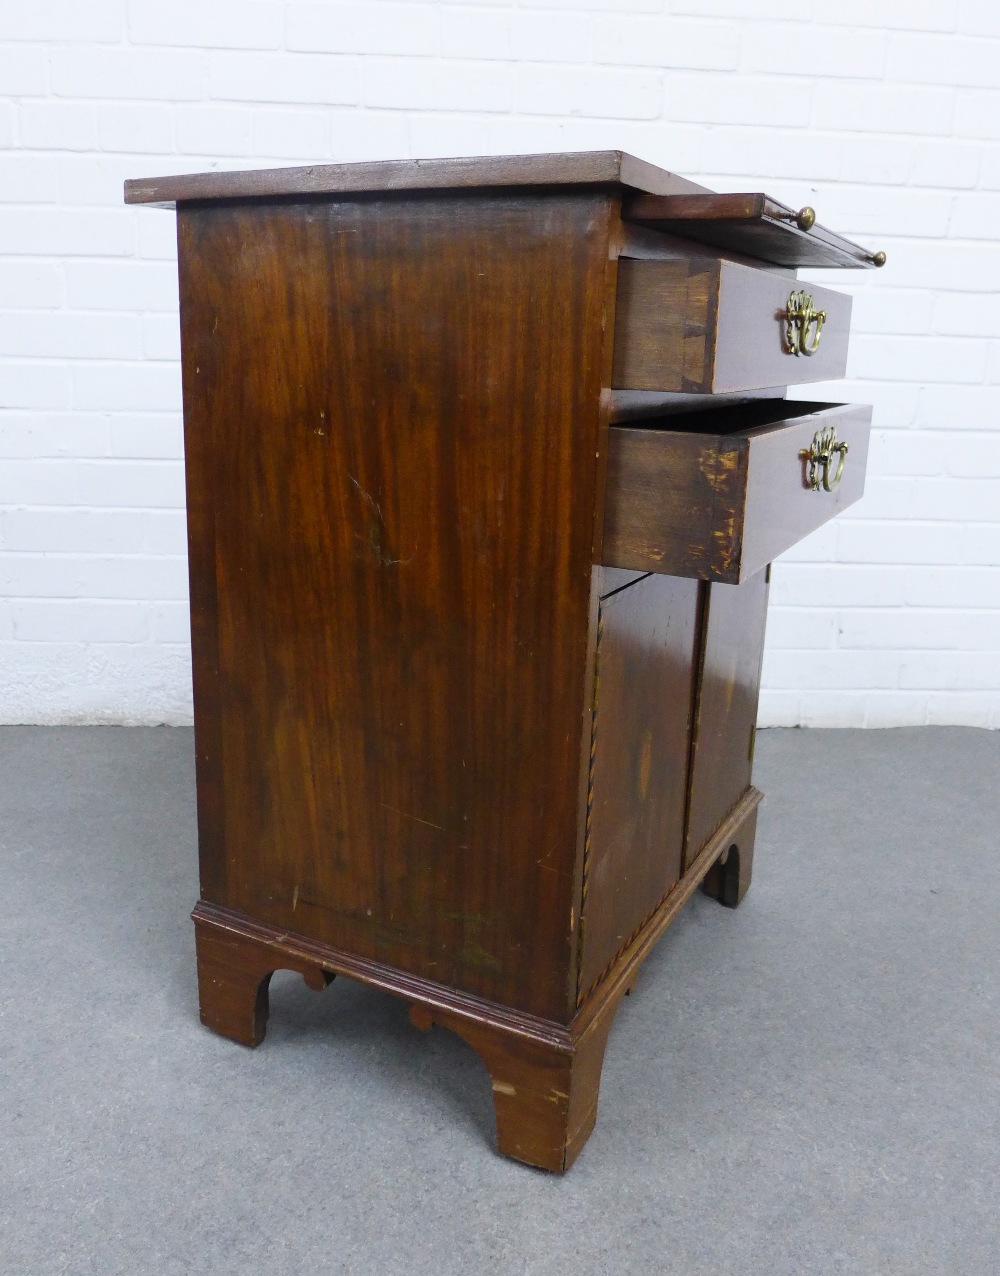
(719, 494)
(698, 323)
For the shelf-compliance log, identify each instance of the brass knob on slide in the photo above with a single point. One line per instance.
(819, 458)
(878, 259)
(805, 218)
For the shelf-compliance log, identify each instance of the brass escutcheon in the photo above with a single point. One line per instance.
(818, 459)
(803, 324)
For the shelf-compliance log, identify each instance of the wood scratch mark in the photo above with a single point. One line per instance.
(504, 1087)
(374, 539)
(407, 816)
(366, 496)
(295, 897)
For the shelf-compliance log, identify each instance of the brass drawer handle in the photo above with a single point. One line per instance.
(818, 458)
(800, 317)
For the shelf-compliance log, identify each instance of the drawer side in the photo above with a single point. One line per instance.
(665, 314)
(720, 506)
(700, 324)
(674, 502)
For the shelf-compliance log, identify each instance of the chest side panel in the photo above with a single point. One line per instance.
(392, 408)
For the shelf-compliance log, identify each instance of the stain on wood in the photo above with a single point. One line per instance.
(393, 513)
(719, 495)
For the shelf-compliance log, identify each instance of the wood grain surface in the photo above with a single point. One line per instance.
(750, 223)
(699, 324)
(475, 676)
(642, 718)
(581, 168)
(726, 706)
(665, 325)
(719, 495)
(545, 1076)
(392, 414)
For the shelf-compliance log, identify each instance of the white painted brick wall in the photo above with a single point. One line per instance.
(884, 114)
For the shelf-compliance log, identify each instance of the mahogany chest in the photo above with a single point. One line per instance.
(486, 463)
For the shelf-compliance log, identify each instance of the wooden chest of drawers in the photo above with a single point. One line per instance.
(486, 462)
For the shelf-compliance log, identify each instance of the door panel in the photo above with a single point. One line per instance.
(641, 728)
(726, 711)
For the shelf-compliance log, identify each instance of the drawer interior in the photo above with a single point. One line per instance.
(732, 419)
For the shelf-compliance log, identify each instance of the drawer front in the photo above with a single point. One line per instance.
(707, 326)
(721, 504)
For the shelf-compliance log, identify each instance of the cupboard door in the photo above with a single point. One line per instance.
(726, 705)
(639, 761)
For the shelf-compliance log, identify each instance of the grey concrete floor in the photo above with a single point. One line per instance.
(806, 1085)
